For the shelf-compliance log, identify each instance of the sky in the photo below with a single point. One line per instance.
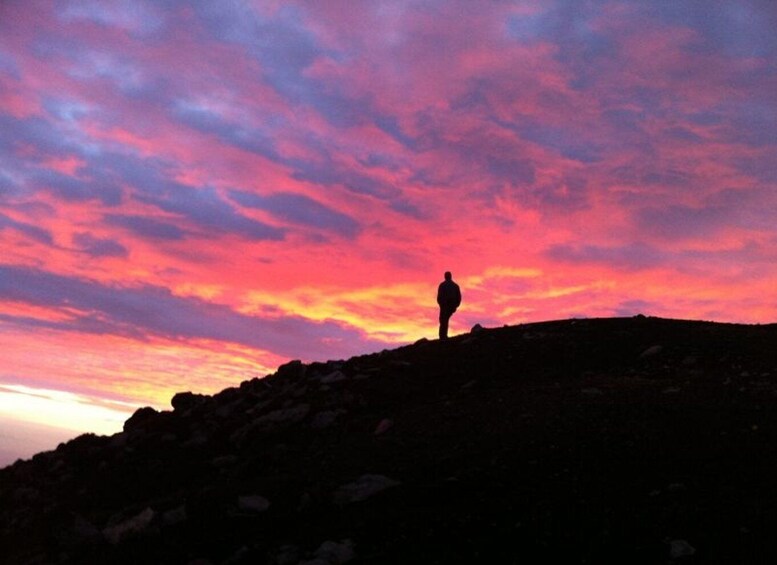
(194, 192)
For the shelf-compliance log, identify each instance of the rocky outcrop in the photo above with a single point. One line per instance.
(626, 440)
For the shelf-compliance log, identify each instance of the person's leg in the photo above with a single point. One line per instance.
(444, 317)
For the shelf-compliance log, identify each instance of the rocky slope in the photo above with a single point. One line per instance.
(634, 440)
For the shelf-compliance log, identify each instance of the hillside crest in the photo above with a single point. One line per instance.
(599, 440)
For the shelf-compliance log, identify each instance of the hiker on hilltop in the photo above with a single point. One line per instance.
(449, 299)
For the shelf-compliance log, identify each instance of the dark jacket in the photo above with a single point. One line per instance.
(449, 295)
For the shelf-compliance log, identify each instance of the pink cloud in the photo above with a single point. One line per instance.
(298, 176)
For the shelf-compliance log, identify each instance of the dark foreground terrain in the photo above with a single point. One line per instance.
(627, 441)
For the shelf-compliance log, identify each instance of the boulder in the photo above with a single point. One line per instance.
(183, 401)
(140, 419)
(362, 488)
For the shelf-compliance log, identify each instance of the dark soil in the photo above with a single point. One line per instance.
(636, 440)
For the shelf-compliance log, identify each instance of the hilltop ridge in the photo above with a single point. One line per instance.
(638, 440)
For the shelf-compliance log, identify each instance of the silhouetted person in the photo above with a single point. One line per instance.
(449, 299)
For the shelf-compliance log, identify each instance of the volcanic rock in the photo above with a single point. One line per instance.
(636, 440)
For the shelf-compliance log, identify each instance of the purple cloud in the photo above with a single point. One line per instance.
(98, 247)
(147, 228)
(148, 310)
(28, 230)
(631, 257)
(299, 209)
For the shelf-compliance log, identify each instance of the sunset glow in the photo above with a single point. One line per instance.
(192, 193)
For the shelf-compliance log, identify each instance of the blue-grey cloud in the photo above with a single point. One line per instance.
(299, 209)
(329, 173)
(208, 209)
(677, 221)
(238, 135)
(630, 257)
(147, 228)
(148, 310)
(98, 247)
(28, 230)
(73, 189)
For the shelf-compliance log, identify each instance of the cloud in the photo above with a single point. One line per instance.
(206, 208)
(135, 16)
(73, 189)
(28, 230)
(624, 142)
(679, 222)
(301, 210)
(148, 310)
(145, 227)
(630, 257)
(98, 247)
(236, 134)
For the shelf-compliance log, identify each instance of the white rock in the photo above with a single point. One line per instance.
(326, 418)
(680, 548)
(174, 516)
(383, 426)
(334, 552)
(651, 351)
(333, 377)
(253, 503)
(129, 527)
(361, 489)
(286, 415)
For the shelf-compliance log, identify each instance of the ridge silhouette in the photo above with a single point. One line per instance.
(635, 440)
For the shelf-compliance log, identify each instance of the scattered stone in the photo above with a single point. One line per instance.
(174, 516)
(336, 553)
(290, 415)
(292, 370)
(333, 377)
(130, 527)
(383, 426)
(224, 461)
(252, 504)
(326, 418)
(363, 488)
(140, 418)
(22, 495)
(183, 401)
(680, 548)
(689, 361)
(287, 555)
(651, 352)
(118, 441)
(468, 385)
(84, 531)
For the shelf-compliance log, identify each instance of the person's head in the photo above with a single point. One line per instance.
(448, 275)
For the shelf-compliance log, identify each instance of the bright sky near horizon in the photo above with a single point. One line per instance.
(193, 192)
